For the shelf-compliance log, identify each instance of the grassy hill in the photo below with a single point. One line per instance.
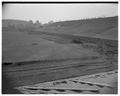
(19, 46)
(88, 27)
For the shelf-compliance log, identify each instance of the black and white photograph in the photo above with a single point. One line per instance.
(59, 47)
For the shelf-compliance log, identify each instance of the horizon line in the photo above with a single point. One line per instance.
(62, 20)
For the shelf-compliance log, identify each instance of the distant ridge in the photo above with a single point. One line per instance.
(7, 22)
(91, 18)
(14, 20)
(88, 19)
(87, 27)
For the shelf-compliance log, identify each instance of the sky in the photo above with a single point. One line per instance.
(57, 12)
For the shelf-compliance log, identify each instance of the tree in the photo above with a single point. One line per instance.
(30, 22)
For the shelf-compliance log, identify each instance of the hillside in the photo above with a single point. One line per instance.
(88, 27)
(8, 22)
(19, 46)
(19, 25)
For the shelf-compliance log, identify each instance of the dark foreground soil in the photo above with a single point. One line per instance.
(7, 87)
